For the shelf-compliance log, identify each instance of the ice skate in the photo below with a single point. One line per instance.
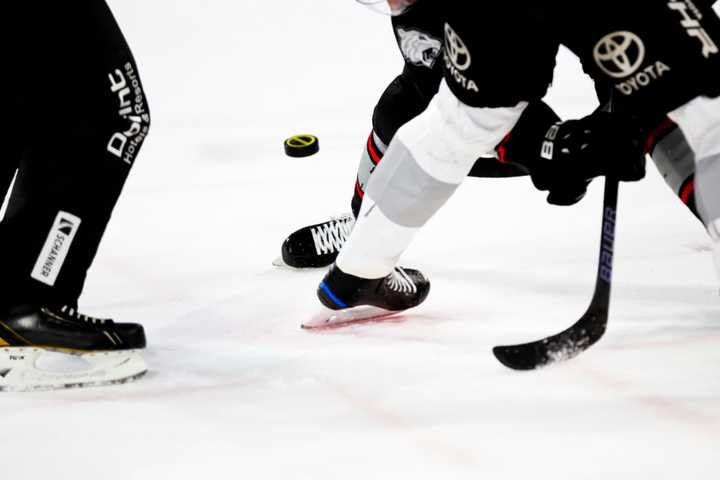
(45, 348)
(316, 246)
(349, 299)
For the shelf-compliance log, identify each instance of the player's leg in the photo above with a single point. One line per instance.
(419, 33)
(404, 99)
(687, 143)
(77, 155)
(419, 37)
(699, 133)
(430, 155)
(83, 116)
(675, 160)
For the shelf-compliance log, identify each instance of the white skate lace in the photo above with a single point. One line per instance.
(72, 313)
(399, 281)
(330, 236)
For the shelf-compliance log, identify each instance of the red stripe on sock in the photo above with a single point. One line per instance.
(359, 189)
(502, 148)
(372, 152)
(687, 190)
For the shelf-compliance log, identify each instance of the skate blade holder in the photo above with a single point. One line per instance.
(27, 369)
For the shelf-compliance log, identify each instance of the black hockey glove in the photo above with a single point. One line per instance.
(563, 157)
(576, 151)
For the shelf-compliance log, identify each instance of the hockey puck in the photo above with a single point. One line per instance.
(302, 146)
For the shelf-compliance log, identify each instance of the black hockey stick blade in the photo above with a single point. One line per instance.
(592, 325)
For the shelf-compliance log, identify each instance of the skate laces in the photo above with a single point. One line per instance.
(330, 236)
(400, 281)
(75, 315)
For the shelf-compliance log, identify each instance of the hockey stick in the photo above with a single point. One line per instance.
(591, 326)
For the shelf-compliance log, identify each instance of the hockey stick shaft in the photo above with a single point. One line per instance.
(607, 242)
(592, 325)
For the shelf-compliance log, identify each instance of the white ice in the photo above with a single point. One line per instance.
(238, 390)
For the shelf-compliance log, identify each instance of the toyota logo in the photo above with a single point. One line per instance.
(456, 50)
(619, 54)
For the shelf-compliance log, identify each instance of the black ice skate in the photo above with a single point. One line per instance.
(352, 299)
(45, 348)
(316, 245)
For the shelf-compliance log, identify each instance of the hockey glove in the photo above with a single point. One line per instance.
(576, 151)
(563, 157)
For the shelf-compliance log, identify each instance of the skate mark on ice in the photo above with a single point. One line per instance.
(397, 318)
(663, 408)
(392, 421)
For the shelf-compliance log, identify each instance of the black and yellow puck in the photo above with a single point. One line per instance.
(302, 146)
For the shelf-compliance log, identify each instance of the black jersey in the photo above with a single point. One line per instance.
(653, 55)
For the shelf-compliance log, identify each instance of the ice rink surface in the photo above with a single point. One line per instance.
(237, 390)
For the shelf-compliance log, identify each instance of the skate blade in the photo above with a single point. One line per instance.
(328, 319)
(279, 262)
(27, 369)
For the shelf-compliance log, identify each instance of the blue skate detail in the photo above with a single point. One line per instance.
(332, 296)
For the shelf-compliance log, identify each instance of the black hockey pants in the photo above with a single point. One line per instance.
(75, 118)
